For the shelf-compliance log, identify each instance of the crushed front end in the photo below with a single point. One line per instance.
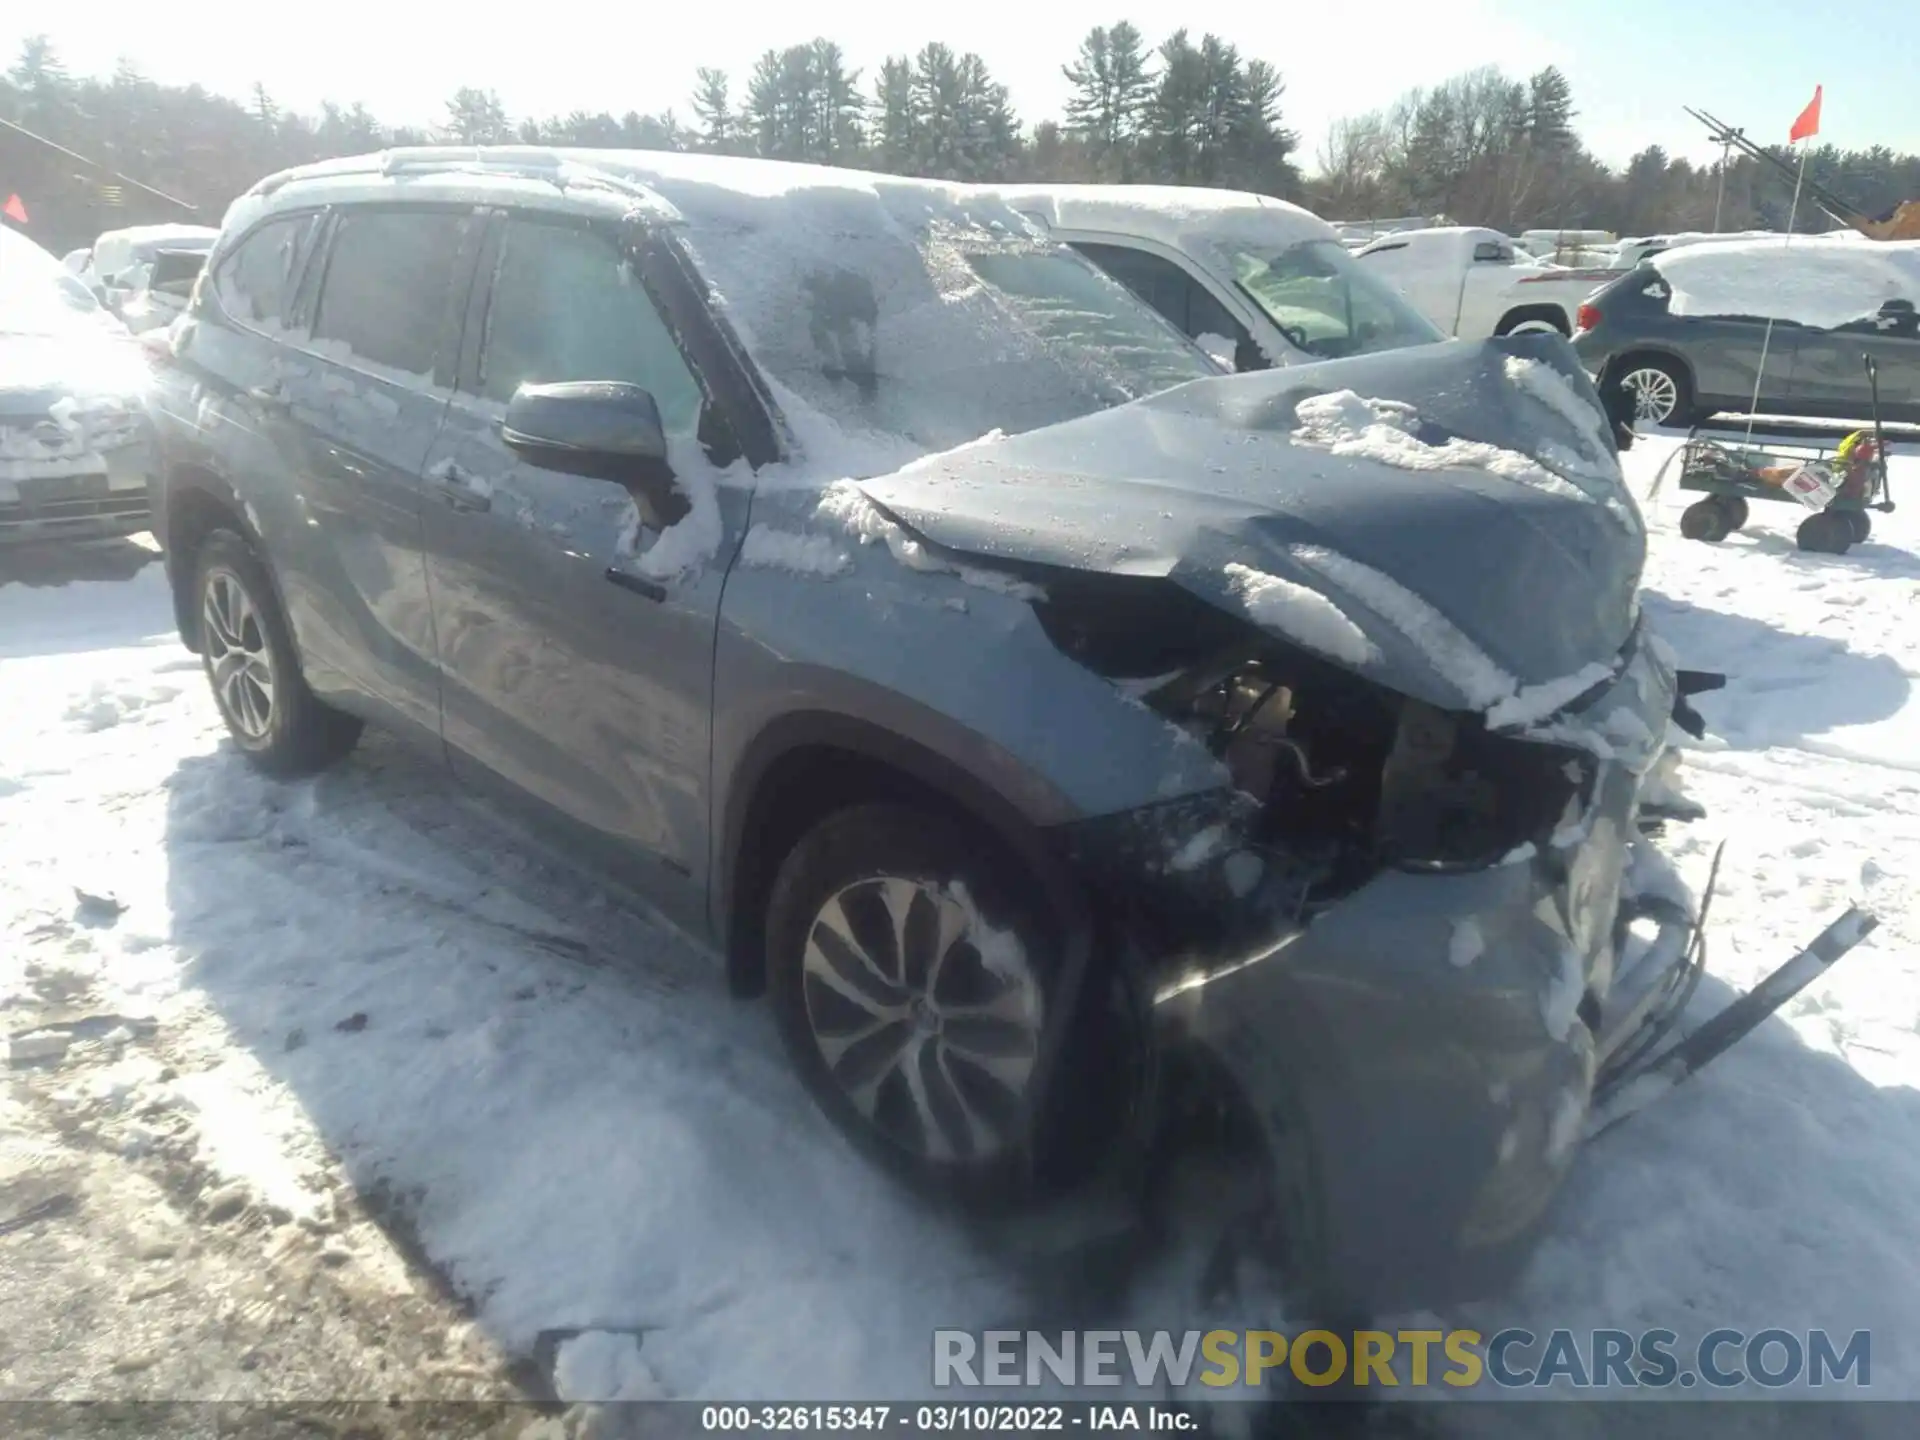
(1410, 939)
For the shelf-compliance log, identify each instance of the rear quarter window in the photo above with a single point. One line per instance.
(254, 284)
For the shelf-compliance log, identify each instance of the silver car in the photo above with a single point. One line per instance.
(1053, 728)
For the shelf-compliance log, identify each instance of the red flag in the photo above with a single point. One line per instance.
(1809, 121)
(15, 209)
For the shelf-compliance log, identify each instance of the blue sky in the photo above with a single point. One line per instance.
(1633, 63)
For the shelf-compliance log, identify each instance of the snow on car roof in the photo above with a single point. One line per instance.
(1812, 280)
(1171, 215)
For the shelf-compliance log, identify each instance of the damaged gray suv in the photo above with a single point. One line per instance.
(1053, 728)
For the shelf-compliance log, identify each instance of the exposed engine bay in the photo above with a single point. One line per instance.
(1344, 776)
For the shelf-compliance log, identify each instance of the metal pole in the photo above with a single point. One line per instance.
(1726, 149)
(1766, 340)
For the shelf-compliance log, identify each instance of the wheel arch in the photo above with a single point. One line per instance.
(198, 502)
(805, 766)
(1552, 314)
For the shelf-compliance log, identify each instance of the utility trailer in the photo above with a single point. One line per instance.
(1837, 472)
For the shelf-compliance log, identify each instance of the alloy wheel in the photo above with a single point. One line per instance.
(928, 1018)
(238, 656)
(1656, 395)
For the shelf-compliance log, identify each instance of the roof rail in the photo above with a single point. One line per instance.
(518, 162)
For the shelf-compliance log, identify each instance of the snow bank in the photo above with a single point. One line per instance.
(1300, 614)
(1343, 423)
(1818, 282)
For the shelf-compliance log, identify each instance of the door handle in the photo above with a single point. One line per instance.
(627, 581)
(461, 489)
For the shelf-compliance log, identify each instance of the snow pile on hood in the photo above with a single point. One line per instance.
(1811, 281)
(845, 504)
(1344, 423)
(1452, 654)
(1304, 615)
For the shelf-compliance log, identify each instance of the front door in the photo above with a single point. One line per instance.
(576, 658)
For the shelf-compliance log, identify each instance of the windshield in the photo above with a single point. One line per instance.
(1327, 304)
(929, 327)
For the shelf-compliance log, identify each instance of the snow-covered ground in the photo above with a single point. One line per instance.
(366, 977)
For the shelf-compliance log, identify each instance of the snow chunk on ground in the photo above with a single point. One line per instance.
(1452, 655)
(1466, 945)
(1300, 614)
(770, 549)
(1814, 281)
(1344, 423)
(601, 1367)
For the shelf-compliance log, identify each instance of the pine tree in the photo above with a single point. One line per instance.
(476, 117)
(1550, 109)
(896, 128)
(840, 107)
(713, 108)
(1111, 90)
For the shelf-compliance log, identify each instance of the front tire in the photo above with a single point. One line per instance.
(911, 972)
(251, 663)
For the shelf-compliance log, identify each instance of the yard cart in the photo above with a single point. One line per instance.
(1836, 472)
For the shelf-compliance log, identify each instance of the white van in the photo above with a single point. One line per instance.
(1254, 281)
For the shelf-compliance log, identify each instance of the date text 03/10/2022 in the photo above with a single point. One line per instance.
(943, 1419)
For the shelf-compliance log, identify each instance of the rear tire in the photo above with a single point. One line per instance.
(1706, 520)
(1660, 391)
(1827, 533)
(1861, 523)
(912, 971)
(251, 663)
(1735, 509)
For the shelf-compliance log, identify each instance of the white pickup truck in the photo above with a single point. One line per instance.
(1474, 283)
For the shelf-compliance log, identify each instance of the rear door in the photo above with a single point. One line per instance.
(364, 393)
(1830, 372)
(577, 672)
(1727, 353)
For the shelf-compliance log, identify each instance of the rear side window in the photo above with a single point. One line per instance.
(1169, 289)
(385, 292)
(255, 283)
(567, 305)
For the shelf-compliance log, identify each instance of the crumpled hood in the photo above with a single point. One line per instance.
(1481, 540)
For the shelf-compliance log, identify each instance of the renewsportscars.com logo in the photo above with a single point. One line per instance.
(1458, 1359)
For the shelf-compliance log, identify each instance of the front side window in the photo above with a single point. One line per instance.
(1327, 304)
(255, 283)
(567, 305)
(385, 292)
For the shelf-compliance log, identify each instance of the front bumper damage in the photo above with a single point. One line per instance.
(1438, 1039)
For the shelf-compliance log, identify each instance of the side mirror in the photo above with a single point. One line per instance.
(599, 429)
